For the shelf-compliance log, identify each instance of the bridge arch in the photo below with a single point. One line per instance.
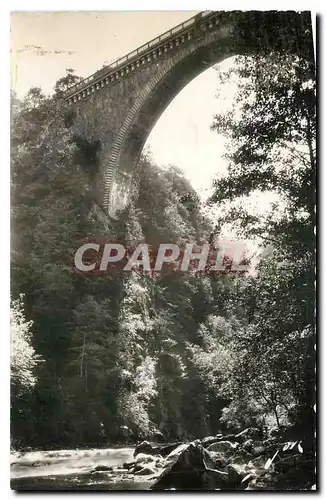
(125, 100)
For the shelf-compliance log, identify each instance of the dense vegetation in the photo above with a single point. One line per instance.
(102, 359)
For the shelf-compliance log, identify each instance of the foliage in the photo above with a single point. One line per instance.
(114, 347)
(135, 356)
(272, 131)
(23, 358)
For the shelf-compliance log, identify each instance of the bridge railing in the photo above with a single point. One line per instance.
(143, 48)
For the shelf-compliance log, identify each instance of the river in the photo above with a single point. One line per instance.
(71, 470)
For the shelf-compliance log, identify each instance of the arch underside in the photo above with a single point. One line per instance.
(151, 103)
(154, 98)
(160, 98)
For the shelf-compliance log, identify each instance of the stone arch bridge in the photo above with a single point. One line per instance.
(117, 106)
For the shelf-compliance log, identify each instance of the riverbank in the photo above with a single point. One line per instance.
(236, 462)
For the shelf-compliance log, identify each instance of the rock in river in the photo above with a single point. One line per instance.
(223, 446)
(144, 447)
(189, 469)
(146, 471)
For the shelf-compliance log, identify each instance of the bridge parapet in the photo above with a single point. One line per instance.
(257, 24)
(143, 55)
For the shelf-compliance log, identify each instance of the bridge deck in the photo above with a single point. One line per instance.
(107, 70)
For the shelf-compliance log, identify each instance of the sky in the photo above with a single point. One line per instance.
(44, 44)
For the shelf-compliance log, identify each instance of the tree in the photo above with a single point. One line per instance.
(272, 131)
(114, 346)
(66, 81)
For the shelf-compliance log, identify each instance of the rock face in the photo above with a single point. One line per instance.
(144, 447)
(213, 463)
(210, 440)
(164, 451)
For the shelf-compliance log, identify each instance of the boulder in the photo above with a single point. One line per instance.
(182, 471)
(100, 475)
(229, 437)
(206, 441)
(219, 460)
(102, 468)
(235, 475)
(241, 455)
(251, 485)
(128, 465)
(247, 445)
(144, 458)
(250, 476)
(146, 471)
(223, 446)
(263, 482)
(135, 468)
(294, 462)
(176, 452)
(190, 469)
(215, 480)
(158, 436)
(210, 461)
(270, 442)
(144, 447)
(249, 433)
(165, 450)
(258, 450)
(160, 462)
(257, 462)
